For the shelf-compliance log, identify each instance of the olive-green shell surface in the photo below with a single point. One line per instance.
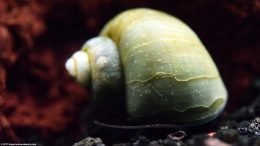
(167, 69)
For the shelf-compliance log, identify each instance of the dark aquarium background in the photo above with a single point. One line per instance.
(41, 104)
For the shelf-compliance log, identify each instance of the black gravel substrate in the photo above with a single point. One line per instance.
(240, 128)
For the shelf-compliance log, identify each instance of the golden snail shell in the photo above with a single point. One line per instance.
(167, 73)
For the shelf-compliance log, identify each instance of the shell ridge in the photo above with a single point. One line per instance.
(169, 75)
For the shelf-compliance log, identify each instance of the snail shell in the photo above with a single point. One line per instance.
(167, 73)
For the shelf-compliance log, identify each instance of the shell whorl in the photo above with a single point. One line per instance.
(168, 71)
(97, 64)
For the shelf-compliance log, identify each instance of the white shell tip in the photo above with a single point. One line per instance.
(78, 66)
(70, 67)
